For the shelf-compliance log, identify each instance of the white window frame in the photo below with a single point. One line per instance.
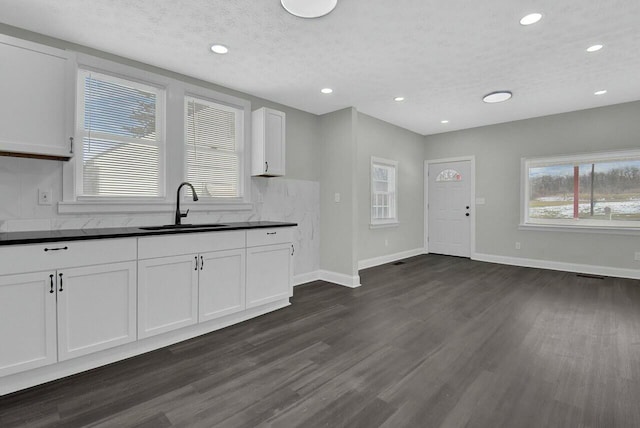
(80, 134)
(223, 103)
(387, 222)
(173, 130)
(583, 225)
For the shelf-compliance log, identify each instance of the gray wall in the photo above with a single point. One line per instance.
(381, 139)
(338, 151)
(498, 150)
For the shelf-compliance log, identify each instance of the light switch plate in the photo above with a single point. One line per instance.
(44, 197)
(480, 201)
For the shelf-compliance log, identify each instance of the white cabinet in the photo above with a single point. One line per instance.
(269, 265)
(28, 327)
(36, 106)
(221, 283)
(96, 308)
(268, 142)
(190, 278)
(61, 313)
(167, 294)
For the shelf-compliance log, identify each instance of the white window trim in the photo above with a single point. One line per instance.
(174, 148)
(572, 225)
(244, 132)
(383, 223)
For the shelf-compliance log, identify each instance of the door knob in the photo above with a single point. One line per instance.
(467, 214)
(467, 206)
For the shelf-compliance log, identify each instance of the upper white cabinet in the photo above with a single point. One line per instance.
(36, 106)
(268, 142)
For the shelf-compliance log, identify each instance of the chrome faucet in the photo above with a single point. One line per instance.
(179, 214)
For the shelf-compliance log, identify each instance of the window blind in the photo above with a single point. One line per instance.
(212, 144)
(122, 153)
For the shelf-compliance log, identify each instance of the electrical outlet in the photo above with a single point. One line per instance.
(386, 242)
(637, 256)
(336, 197)
(44, 197)
(517, 245)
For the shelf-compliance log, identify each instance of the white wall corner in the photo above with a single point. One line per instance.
(340, 278)
(306, 277)
(561, 266)
(388, 258)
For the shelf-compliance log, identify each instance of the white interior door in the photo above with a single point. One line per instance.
(449, 208)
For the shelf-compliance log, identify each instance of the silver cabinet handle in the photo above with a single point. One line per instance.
(271, 233)
(196, 257)
(293, 249)
(56, 249)
(201, 262)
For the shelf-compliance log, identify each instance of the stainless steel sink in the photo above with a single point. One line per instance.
(183, 226)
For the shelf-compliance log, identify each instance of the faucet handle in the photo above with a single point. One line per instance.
(185, 214)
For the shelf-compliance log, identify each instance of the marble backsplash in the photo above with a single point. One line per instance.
(274, 199)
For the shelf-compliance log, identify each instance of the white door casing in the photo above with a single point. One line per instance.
(450, 212)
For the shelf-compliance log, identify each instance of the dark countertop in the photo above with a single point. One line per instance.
(39, 236)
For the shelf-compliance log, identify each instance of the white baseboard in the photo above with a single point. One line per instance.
(340, 278)
(303, 278)
(552, 265)
(377, 261)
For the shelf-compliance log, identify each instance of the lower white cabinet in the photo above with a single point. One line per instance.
(61, 314)
(269, 273)
(167, 294)
(28, 327)
(221, 283)
(96, 308)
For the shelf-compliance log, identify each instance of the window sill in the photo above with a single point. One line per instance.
(607, 230)
(383, 225)
(147, 207)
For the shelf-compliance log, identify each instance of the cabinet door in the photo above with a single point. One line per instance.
(221, 284)
(96, 308)
(167, 294)
(274, 142)
(28, 327)
(269, 270)
(36, 107)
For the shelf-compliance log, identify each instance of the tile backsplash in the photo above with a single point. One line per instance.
(274, 199)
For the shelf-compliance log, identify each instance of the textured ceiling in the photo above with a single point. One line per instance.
(442, 56)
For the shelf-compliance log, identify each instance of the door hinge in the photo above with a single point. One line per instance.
(71, 145)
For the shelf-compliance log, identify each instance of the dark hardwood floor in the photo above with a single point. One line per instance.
(434, 342)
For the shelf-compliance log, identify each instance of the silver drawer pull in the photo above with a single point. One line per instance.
(56, 249)
(271, 233)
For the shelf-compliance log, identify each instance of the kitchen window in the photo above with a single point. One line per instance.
(213, 148)
(600, 190)
(140, 134)
(384, 192)
(119, 138)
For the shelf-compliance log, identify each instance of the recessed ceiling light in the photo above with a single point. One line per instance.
(594, 48)
(444, 121)
(326, 90)
(307, 8)
(219, 49)
(497, 97)
(532, 18)
(398, 99)
(600, 92)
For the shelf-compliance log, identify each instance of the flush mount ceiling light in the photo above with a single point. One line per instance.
(309, 8)
(326, 90)
(398, 99)
(594, 48)
(219, 49)
(532, 18)
(600, 92)
(444, 121)
(497, 97)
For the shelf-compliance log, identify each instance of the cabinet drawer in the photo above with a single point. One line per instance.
(273, 235)
(189, 243)
(38, 257)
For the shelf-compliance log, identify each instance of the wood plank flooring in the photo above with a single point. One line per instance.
(434, 342)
